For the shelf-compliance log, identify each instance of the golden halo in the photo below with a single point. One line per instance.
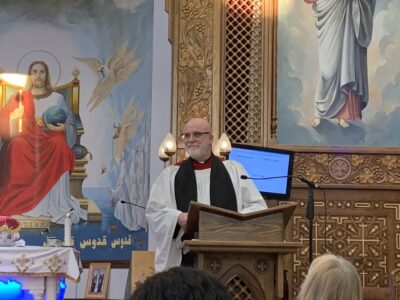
(49, 58)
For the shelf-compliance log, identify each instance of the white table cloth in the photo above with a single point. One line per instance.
(40, 268)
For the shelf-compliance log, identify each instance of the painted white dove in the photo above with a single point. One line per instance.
(115, 71)
(126, 129)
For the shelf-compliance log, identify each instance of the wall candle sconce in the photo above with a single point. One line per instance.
(167, 147)
(161, 154)
(223, 146)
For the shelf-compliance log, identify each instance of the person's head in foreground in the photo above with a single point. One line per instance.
(331, 277)
(180, 283)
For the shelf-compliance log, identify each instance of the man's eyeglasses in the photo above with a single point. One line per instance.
(195, 135)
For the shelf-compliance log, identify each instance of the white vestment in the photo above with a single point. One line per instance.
(162, 214)
(58, 200)
(344, 33)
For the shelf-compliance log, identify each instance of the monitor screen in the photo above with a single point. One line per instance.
(261, 162)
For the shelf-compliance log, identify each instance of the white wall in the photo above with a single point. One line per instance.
(161, 91)
(160, 126)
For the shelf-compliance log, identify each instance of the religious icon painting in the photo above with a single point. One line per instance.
(97, 283)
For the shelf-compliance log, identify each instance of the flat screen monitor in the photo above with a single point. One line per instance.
(261, 162)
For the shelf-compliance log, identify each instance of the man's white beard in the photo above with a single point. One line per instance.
(194, 152)
(198, 153)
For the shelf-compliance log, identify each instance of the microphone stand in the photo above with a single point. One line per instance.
(310, 217)
(309, 208)
(133, 204)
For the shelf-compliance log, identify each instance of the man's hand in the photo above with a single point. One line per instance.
(58, 127)
(182, 220)
(17, 113)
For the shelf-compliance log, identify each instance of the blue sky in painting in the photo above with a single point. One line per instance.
(90, 28)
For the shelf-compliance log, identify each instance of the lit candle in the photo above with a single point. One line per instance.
(224, 147)
(169, 146)
(67, 230)
(20, 106)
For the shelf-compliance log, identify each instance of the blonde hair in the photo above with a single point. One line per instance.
(331, 277)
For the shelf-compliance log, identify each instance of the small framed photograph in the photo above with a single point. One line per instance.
(97, 283)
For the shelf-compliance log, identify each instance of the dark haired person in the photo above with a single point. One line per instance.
(181, 283)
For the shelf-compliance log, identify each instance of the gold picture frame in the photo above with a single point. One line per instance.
(98, 279)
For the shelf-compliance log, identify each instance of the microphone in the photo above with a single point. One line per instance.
(47, 230)
(302, 179)
(308, 182)
(130, 203)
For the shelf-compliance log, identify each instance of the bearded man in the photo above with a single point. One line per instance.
(203, 178)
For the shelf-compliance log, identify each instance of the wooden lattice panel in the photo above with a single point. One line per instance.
(243, 70)
(239, 289)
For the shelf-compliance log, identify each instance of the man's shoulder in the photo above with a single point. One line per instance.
(228, 162)
(180, 163)
(233, 166)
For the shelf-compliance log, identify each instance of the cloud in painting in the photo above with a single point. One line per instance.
(130, 5)
(387, 40)
(298, 73)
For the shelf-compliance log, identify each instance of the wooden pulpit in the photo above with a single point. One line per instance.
(243, 251)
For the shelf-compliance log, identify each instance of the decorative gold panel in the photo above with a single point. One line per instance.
(193, 59)
(348, 168)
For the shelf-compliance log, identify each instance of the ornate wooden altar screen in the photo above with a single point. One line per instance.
(244, 251)
(225, 70)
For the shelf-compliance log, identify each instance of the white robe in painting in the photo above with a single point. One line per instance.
(344, 33)
(133, 187)
(162, 214)
(58, 200)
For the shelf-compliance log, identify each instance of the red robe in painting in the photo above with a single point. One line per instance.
(30, 163)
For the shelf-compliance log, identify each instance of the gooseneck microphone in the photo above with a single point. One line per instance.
(133, 204)
(302, 179)
(47, 230)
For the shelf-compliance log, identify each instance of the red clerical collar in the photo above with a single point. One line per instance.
(202, 166)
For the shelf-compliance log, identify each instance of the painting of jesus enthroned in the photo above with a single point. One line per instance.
(42, 160)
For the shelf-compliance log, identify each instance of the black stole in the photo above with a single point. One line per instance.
(222, 193)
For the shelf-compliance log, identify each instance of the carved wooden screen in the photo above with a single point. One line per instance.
(243, 70)
(224, 66)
